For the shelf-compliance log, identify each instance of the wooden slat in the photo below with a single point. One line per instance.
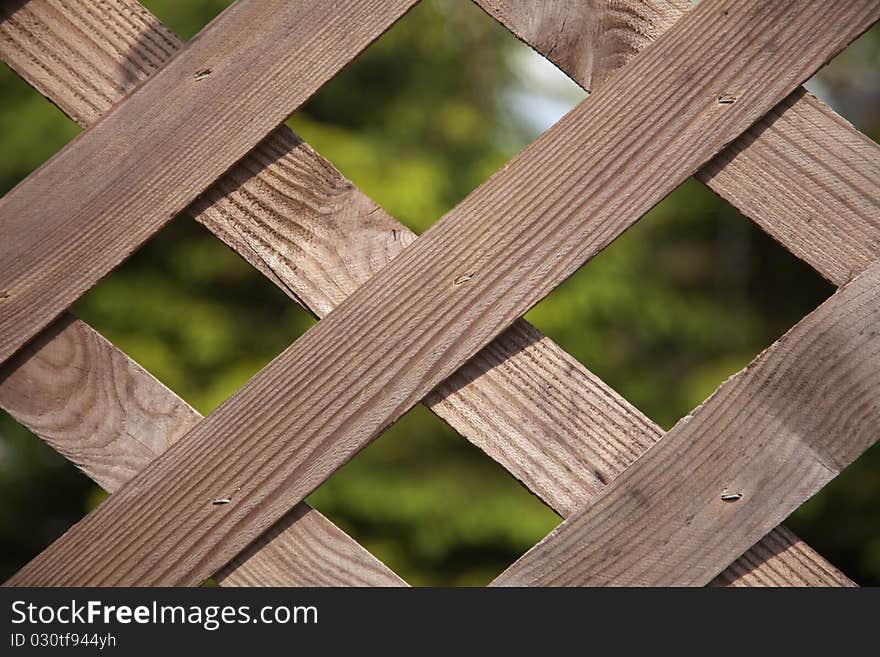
(771, 437)
(781, 559)
(567, 436)
(523, 400)
(107, 415)
(587, 40)
(86, 56)
(472, 274)
(803, 173)
(91, 205)
(832, 223)
(811, 181)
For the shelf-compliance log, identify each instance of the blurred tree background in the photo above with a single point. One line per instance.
(440, 102)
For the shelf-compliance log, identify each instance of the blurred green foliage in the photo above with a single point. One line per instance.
(681, 301)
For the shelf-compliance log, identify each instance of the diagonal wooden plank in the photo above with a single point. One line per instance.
(527, 404)
(811, 181)
(587, 40)
(781, 559)
(769, 438)
(802, 173)
(86, 57)
(472, 274)
(832, 223)
(97, 200)
(570, 435)
(106, 414)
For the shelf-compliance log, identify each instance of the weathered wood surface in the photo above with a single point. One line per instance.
(537, 411)
(478, 269)
(811, 181)
(802, 173)
(588, 39)
(86, 57)
(770, 437)
(781, 559)
(111, 418)
(576, 435)
(96, 201)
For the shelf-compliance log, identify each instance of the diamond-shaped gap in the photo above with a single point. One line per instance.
(32, 129)
(432, 507)
(439, 103)
(194, 313)
(683, 299)
(116, 306)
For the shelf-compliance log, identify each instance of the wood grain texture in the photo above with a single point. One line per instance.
(90, 206)
(803, 173)
(111, 418)
(566, 434)
(86, 57)
(472, 274)
(781, 559)
(811, 181)
(532, 468)
(773, 434)
(588, 39)
(554, 425)
(832, 223)
(549, 421)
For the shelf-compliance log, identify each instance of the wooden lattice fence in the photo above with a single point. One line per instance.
(711, 90)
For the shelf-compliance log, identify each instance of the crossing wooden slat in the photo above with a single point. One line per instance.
(472, 274)
(802, 173)
(781, 559)
(86, 56)
(106, 414)
(811, 181)
(78, 392)
(98, 199)
(541, 414)
(572, 427)
(768, 439)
